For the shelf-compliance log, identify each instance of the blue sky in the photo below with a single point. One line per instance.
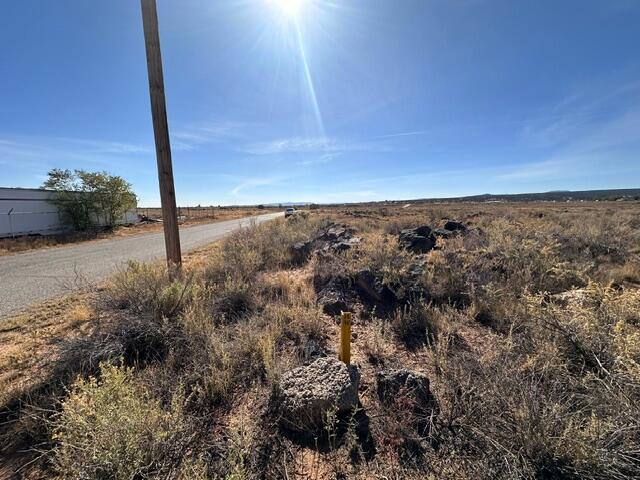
(345, 101)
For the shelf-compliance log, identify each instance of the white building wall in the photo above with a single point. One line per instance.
(32, 213)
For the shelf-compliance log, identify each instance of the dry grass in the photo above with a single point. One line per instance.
(528, 384)
(28, 341)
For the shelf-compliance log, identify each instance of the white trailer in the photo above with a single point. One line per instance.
(28, 211)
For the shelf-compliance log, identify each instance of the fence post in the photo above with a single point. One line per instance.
(11, 224)
(345, 337)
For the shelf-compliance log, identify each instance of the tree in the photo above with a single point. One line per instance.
(86, 198)
(74, 206)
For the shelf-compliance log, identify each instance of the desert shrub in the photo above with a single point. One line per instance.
(395, 225)
(507, 260)
(234, 299)
(628, 272)
(537, 422)
(260, 247)
(446, 277)
(297, 327)
(234, 359)
(526, 259)
(146, 288)
(380, 254)
(601, 331)
(288, 288)
(112, 428)
(216, 378)
(251, 351)
(553, 399)
(417, 324)
(411, 219)
(254, 354)
(328, 267)
(193, 469)
(235, 258)
(497, 308)
(608, 235)
(253, 323)
(376, 345)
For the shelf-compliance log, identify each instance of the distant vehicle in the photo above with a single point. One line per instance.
(289, 211)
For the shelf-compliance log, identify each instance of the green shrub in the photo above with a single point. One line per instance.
(113, 428)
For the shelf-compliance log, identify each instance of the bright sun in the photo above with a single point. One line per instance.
(289, 8)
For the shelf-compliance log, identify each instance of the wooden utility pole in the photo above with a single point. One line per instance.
(161, 133)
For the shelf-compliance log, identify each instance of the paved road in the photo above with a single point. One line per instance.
(31, 277)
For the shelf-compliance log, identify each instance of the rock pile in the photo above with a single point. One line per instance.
(335, 296)
(454, 226)
(306, 394)
(341, 293)
(406, 386)
(365, 287)
(417, 240)
(423, 239)
(391, 382)
(373, 292)
(335, 238)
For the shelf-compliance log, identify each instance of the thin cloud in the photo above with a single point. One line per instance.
(254, 182)
(192, 136)
(566, 167)
(594, 127)
(538, 170)
(65, 147)
(311, 145)
(403, 134)
(589, 108)
(320, 160)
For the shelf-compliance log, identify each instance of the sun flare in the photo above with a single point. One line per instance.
(288, 8)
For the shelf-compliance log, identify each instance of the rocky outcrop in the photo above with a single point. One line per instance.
(423, 239)
(443, 233)
(411, 389)
(338, 238)
(306, 394)
(454, 226)
(335, 238)
(335, 296)
(373, 292)
(390, 383)
(417, 240)
(301, 251)
(336, 232)
(418, 267)
(346, 244)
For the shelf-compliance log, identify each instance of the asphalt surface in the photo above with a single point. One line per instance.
(32, 277)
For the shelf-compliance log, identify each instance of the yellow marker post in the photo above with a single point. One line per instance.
(345, 337)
